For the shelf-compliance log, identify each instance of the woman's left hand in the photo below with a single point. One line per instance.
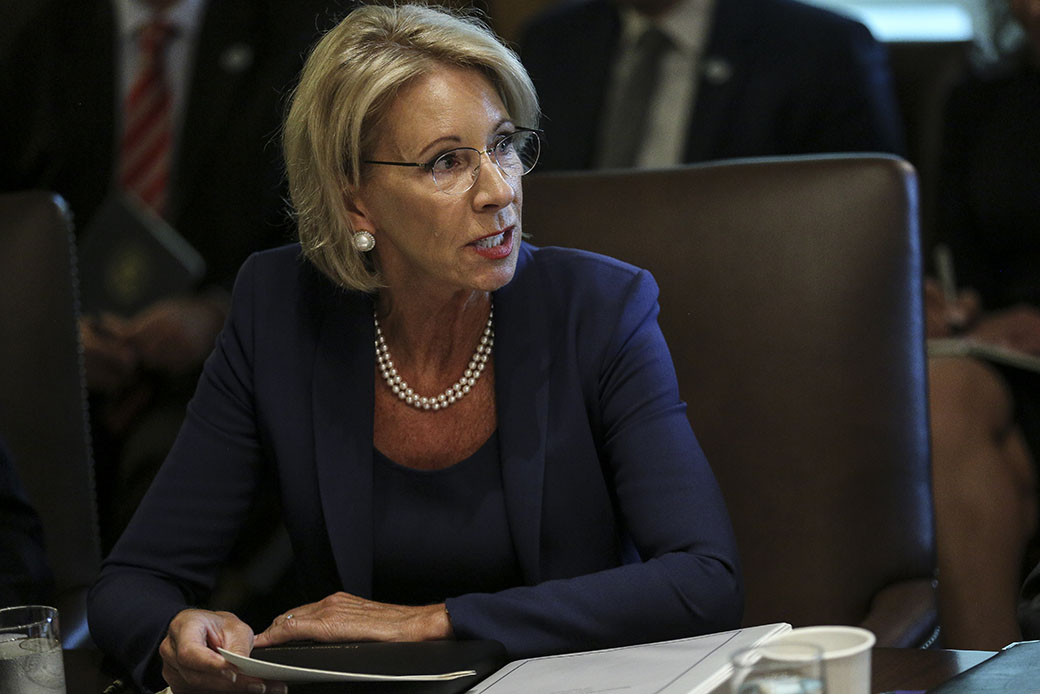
(1017, 327)
(346, 617)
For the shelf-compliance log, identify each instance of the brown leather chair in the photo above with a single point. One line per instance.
(791, 301)
(43, 414)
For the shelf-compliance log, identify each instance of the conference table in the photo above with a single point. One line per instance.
(902, 669)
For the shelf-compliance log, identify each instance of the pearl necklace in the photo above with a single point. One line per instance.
(453, 394)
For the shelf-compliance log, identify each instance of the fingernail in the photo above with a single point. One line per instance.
(230, 674)
(279, 688)
(257, 688)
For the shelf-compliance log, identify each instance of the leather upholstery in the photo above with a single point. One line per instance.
(791, 301)
(43, 413)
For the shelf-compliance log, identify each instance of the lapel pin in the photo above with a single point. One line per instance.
(236, 58)
(717, 70)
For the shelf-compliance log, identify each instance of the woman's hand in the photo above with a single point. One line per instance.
(110, 361)
(1017, 327)
(346, 617)
(191, 663)
(943, 317)
(176, 335)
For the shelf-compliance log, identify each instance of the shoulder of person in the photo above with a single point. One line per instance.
(582, 276)
(571, 14)
(568, 22)
(805, 15)
(808, 29)
(283, 278)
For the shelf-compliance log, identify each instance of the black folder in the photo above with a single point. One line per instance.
(129, 258)
(1015, 669)
(389, 658)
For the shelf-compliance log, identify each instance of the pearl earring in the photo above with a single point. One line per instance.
(364, 241)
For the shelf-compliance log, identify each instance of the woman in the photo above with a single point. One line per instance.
(986, 418)
(554, 499)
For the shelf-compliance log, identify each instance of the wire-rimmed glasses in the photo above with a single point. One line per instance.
(455, 171)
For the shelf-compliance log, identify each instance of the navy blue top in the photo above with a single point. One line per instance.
(441, 533)
(618, 525)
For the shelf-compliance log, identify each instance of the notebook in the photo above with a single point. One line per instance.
(1016, 669)
(694, 665)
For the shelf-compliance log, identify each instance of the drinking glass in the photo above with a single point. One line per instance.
(30, 651)
(787, 668)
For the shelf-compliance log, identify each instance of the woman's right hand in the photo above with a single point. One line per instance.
(943, 317)
(191, 663)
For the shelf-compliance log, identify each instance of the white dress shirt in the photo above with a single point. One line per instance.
(185, 16)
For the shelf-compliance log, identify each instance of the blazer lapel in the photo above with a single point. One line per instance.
(521, 396)
(343, 401)
(229, 49)
(720, 75)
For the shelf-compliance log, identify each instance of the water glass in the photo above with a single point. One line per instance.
(788, 668)
(30, 651)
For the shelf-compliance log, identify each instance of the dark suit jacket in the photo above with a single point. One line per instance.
(989, 185)
(801, 80)
(618, 525)
(58, 125)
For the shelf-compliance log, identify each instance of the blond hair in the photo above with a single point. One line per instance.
(347, 85)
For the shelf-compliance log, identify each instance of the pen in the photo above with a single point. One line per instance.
(944, 269)
(943, 257)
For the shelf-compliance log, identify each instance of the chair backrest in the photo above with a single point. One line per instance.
(43, 414)
(790, 299)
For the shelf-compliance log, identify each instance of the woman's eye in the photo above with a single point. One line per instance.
(505, 144)
(447, 162)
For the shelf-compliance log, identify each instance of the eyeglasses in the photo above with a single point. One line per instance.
(455, 171)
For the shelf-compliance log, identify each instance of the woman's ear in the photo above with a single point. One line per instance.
(357, 210)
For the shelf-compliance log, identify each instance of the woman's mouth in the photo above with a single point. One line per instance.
(491, 241)
(495, 246)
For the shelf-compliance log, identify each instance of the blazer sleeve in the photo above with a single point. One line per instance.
(683, 578)
(186, 525)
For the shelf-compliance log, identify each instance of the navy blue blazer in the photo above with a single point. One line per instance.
(618, 525)
(778, 77)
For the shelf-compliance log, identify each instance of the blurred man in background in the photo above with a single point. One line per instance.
(650, 83)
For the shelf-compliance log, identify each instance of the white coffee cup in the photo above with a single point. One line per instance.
(846, 655)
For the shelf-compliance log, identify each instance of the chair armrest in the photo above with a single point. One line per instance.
(904, 614)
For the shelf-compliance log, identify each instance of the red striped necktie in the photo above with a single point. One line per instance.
(144, 163)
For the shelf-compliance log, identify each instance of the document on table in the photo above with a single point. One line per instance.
(685, 666)
(967, 347)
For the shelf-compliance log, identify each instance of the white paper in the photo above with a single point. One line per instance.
(685, 666)
(969, 347)
(289, 673)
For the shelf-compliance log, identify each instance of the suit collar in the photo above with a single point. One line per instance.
(343, 401)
